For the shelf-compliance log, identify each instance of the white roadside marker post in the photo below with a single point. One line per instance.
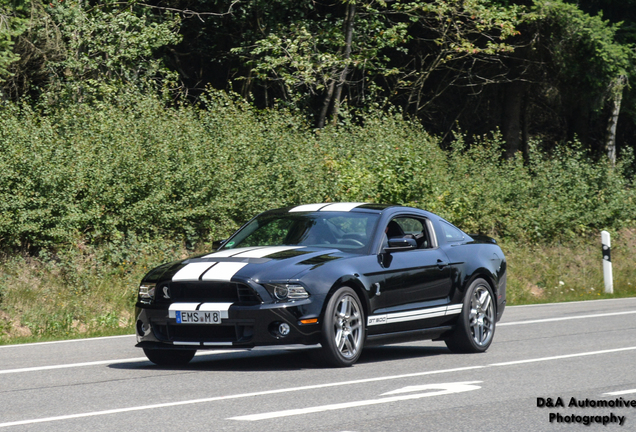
(607, 262)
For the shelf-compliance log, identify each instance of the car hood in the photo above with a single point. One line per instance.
(260, 264)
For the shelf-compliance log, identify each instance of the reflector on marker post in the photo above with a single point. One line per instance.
(607, 262)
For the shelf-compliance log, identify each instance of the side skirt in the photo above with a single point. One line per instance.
(408, 336)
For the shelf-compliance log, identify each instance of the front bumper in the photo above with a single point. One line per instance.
(245, 327)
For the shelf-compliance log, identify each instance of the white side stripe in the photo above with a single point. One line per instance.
(414, 315)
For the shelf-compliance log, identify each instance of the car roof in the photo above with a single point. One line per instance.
(342, 207)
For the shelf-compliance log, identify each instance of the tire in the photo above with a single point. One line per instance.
(476, 324)
(343, 330)
(168, 357)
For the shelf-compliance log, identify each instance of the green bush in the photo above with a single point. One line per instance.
(134, 170)
(94, 195)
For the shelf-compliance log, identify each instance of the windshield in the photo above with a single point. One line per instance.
(350, 232)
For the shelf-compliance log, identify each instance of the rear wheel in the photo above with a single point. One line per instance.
(168, 357)
(342, 329)
(476, 324)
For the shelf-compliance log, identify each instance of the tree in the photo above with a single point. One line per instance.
(74, 49)
(11, 26)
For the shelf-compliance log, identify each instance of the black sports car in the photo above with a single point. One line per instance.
(331, 276)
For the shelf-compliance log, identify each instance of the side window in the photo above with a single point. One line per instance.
(451, 233)
(408, 227)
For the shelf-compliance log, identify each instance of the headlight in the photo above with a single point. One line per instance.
(286, 292)
(146, 292)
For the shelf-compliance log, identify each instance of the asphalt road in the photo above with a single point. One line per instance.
(572, 351)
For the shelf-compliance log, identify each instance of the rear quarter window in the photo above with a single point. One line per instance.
(451, 234)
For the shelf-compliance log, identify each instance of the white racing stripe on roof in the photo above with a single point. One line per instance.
(263, 252)
(344, 207)
(223, 271)
(192, 271)
(308, 207)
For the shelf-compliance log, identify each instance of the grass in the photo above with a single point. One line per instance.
(88, 293)
(569, 271)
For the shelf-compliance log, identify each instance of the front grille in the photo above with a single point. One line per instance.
(246, 295)
(205, 291)
(203, 333)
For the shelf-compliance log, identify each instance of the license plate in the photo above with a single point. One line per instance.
(198, 317)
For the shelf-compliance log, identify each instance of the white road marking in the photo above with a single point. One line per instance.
(619, 299)
(457, 387)
(584, 354)
(619, 393)
(65, 341)
(100, 362)
(71, 365)
(304, 388)
(565, 318)
(220, 398)
(443, 389)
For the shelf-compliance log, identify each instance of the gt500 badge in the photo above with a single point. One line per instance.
(375, 320)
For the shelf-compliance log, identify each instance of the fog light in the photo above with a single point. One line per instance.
(284, 329)
(142, 328)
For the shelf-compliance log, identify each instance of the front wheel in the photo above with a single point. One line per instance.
(476, 324)
(342, 329)
(169, 357)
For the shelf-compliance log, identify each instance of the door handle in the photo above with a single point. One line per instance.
(441, 264)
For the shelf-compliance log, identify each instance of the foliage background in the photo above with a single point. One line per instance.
(136, 133)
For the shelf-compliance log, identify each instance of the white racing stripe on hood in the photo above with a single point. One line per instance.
(265, 251)
(228, 252)
(344, 207)
(192, 271)
(223, 271)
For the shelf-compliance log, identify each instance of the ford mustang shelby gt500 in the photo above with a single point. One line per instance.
(333, 276)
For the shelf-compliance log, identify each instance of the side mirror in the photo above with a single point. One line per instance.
(218, 243)
(401, 244)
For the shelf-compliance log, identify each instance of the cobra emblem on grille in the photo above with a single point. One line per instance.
(166, 293)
